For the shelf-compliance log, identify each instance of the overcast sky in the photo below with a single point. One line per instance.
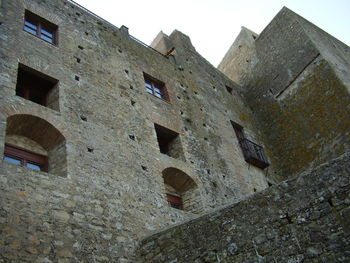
(213, 25)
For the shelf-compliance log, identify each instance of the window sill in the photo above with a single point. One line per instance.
(32, 103)
(23, 168)
(159, 99)
(35, 36)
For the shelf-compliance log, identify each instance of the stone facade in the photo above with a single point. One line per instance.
(113, 150)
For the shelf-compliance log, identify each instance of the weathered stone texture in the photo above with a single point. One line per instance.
(304, 219)
(104, 189)
(299, 91)
(241, 57)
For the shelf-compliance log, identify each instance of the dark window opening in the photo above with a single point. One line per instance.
(155, 87)
(252, 152)
(175, 201)
(37, 87)
(40, 27)
(20, 156)
(169, 142)
(229, 89)
(238, 130)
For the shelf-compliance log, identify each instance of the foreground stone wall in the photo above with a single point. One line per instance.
(304, 219)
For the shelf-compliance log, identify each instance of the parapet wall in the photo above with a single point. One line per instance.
(304, 219)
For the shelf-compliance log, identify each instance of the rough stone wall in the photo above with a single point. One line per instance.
(241, 57)
(58, 160)
(53, 100)
(112, 192)
(334, 51)
(192, 201)
(298, 97)
(176, 149)
(304, 219)
(197, 99)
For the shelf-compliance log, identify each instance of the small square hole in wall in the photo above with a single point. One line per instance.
(169, 142)
(77, 78)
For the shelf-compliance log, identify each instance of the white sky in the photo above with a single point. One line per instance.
(213, 25)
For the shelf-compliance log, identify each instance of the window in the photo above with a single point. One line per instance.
(169, 142)
(175, 201)
(155, 87)
(33, 142)
(19, 156)
(37, 87)
(40, 27)
(229, 89)
(181, 191)
(252, 152)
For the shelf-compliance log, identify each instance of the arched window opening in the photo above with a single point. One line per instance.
(181, 191)
(36, 144)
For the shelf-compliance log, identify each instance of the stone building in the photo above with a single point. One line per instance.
(104, 140)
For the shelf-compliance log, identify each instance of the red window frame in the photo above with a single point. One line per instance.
(175, 201)
(40, 27)
(155, 87)
(26, 157)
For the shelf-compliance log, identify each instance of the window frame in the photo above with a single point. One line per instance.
(41, 26)
(25, 156)
(155, 87)
(175, 201)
